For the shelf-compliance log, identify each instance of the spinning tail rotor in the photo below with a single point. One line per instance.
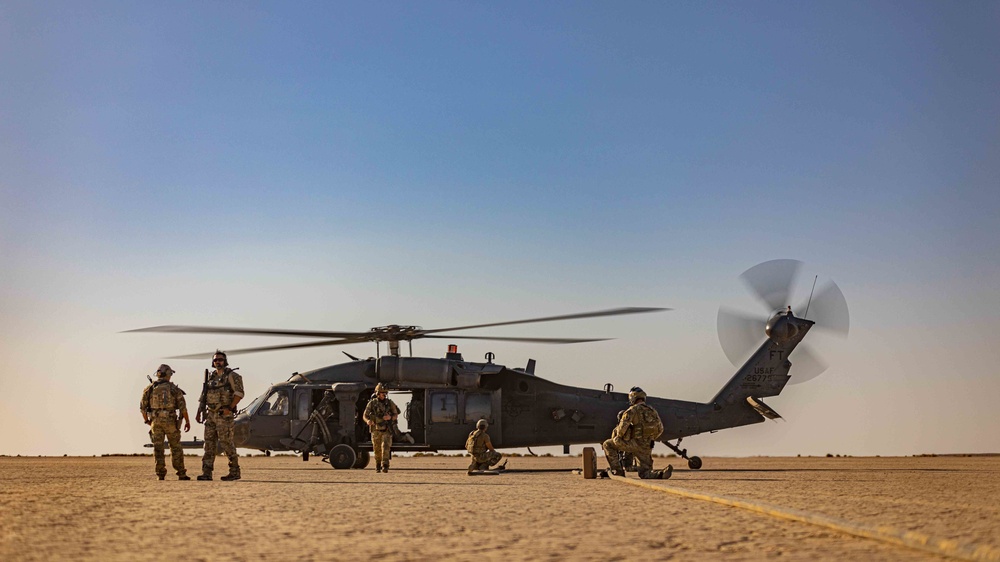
(772, 284)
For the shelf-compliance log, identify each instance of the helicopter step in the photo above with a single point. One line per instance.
(694, 463)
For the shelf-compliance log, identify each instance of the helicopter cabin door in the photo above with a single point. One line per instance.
(452, 414)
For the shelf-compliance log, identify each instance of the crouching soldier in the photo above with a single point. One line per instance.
(481, 448)
(637, 429)
(159, 405)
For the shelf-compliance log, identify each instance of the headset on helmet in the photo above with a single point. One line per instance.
(636, 394)
(482, 424)
(380, 389)
(164, 371)
(225, 360)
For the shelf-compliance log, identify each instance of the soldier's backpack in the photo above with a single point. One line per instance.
(474, 443)
(651, 427)
(160, 398)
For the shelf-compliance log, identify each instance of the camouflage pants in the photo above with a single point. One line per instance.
(484, 460)
(382, 446)
(641, 449)
(166, 426)
(219, 434)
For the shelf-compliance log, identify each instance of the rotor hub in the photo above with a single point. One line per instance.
(395, 332)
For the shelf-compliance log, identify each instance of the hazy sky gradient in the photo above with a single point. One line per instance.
(339, 166)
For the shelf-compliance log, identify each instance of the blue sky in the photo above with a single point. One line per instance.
(340, 166)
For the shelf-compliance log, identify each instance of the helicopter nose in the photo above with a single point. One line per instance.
(241, 430)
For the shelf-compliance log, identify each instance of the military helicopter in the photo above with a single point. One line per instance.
(319, 412)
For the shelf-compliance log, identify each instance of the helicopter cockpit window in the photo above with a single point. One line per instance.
(444, 407)
(478, 407)
(276, 404)
(254, 405)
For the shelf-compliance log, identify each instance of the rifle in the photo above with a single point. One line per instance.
(202, 398)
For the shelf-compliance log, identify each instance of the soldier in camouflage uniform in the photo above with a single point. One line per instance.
(380, 415)
(159, 405)
(638, 427)
(481, 448)
(221, 394)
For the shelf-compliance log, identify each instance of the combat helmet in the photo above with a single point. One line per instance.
(164, 370)
(482, 424)
(381, 389)
(636, 394)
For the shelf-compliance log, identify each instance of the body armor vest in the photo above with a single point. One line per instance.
(220, 390)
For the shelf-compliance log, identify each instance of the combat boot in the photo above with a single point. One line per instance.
(161, 476)
(204, 477)
(666, 472)
(231, 476)
(616, 472)
(385, 467)
(184, 477)
(378, 467)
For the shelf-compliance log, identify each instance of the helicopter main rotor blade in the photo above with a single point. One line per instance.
(739, 334)
(829, 310)
(271, 348)
(530, 340)
(772, 282)
(610, 312)
(247, 331)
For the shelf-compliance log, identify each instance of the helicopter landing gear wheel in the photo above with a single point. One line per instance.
(342, 456)
(364, 457)
(694, 463)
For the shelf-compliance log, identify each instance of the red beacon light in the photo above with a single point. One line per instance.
(452, 348)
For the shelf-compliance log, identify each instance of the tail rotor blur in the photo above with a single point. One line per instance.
(773, 285)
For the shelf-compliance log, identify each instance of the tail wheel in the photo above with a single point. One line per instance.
(342, 456)
(364, 457)
(694, 463)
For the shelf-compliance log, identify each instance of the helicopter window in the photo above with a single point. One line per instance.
(302, 406)
(276, 405)
(444, 407)
(254, 405)
(478, 406)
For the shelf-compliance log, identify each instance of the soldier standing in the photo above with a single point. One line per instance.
(638, 427)
(380, 415)
(222, 391)
(481, 448)
(159, 405)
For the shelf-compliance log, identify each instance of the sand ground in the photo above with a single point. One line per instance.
(428, 508)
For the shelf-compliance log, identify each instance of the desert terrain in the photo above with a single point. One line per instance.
(428, 508)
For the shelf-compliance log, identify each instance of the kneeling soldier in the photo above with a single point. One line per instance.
(481, 448)
(638, 427)
(159, 405)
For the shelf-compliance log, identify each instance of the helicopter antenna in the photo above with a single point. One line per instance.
(806, 315)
